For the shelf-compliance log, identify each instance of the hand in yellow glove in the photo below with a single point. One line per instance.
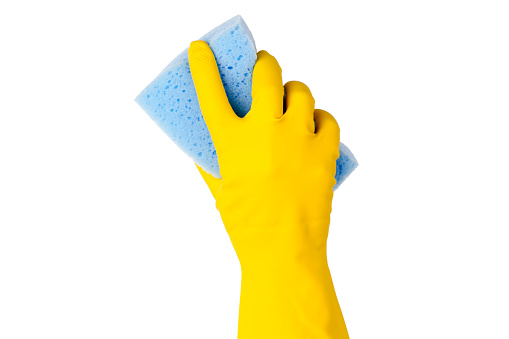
(274, 197)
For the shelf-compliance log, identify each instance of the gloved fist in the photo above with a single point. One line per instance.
(274, 196)
(274, 167)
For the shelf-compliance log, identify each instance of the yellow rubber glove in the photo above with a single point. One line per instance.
(274, 198)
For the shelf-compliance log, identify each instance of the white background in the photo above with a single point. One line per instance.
(107, 230)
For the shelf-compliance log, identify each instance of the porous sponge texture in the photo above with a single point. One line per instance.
(171, 101)
(345, 164)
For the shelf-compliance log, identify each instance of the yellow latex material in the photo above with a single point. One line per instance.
(274, 198)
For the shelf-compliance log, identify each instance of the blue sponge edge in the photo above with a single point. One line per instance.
(345, 164)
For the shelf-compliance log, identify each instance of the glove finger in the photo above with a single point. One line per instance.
(327, 129)
(267, 91)
(300, 104)
(214, 103)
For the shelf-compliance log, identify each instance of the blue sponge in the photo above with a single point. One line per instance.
(171, 100)
(345, 164)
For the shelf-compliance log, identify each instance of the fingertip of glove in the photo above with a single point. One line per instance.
(265, 57)
(199, 50)
(263, 54)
